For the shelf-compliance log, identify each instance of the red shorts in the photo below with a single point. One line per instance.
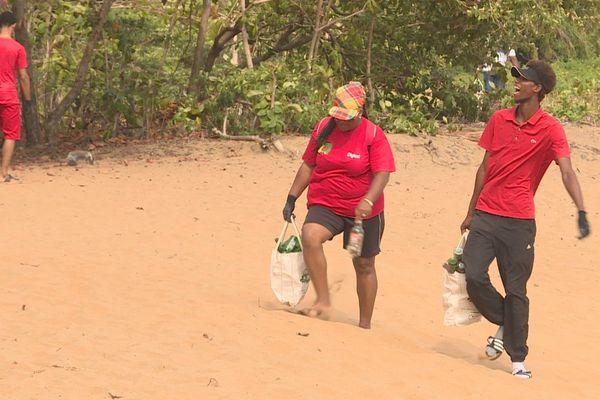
(10, 121)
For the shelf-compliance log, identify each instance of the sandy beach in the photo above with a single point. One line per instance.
(146, 276)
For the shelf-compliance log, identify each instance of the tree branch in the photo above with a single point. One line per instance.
(82, 70)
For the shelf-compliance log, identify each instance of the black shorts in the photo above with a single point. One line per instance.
(337, 224)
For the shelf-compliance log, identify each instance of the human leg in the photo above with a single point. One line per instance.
(10, 124)
(366, 288)
(515, 262)
(364, 266)
(478, 254)
(313, 237)
(497, 81)
(486, 81)
(8, 149)
(319, 226)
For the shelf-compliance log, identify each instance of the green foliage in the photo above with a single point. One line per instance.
(188, 115)
(425, 57)
(268, 99)
(576, 97)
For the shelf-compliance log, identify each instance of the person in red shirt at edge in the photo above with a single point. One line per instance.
(520, 143)
(12, 60)
(346, 166)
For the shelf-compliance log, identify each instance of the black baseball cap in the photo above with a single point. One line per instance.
(528, 73)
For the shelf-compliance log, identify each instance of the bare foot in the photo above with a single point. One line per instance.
(8, 178)
(317, 311)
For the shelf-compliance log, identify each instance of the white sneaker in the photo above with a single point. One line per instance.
(522, 374)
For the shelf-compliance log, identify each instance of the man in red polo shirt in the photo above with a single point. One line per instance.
(520, 144)
(12, 60)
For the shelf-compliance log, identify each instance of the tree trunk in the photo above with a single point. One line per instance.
(222, 39)
(47, 85)
(193, 84)
(148, 103)
(316, 34)
(168, 40)
(54, 117)
(247, 51)
(31, 117)
(235, 58)
(226, 35)
(369, 64)
(283, 44)
(324, 17)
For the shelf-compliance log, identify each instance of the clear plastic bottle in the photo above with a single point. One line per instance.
(458, 253)
(355, 242)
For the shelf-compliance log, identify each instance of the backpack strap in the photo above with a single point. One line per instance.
(371, 132)
(326, 119)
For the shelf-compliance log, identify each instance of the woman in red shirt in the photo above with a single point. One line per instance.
(346, 166)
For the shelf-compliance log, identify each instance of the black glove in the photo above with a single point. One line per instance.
(288, 210)
(584, 226)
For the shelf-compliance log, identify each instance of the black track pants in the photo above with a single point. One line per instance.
(511, 242)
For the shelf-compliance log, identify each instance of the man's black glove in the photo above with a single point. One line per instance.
(288, 210)
(584, 226)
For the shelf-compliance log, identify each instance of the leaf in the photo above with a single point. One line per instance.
(295, 107)
(254, 93)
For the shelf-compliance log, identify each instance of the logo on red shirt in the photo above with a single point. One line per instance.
(325, 148)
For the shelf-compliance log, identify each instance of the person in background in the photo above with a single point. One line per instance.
(520, 143)
(346, 165)
(493, 74)
(518, 57)
(13, 62)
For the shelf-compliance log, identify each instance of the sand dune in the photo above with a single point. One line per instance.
(150, 281)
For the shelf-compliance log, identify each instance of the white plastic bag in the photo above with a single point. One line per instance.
(459, 310)
(289, 275)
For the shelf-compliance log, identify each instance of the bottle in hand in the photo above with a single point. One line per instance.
(355, 242)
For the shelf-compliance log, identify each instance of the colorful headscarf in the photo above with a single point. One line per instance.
(349, 101)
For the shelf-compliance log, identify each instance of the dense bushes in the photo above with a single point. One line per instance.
(443, 96)
(424, 65)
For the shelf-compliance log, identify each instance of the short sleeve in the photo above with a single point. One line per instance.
(485, 141)
(310, 153)
(21, 58)
(560, 145)
(512, 53)
(381, 156)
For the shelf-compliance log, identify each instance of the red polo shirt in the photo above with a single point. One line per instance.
(12, 57)
(344, 167)
(519, 155)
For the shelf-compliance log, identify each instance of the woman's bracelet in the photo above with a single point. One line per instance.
(369, 202)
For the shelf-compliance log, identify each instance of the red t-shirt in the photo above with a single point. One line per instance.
(12, 57)
(344, 167)
(519, 155)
